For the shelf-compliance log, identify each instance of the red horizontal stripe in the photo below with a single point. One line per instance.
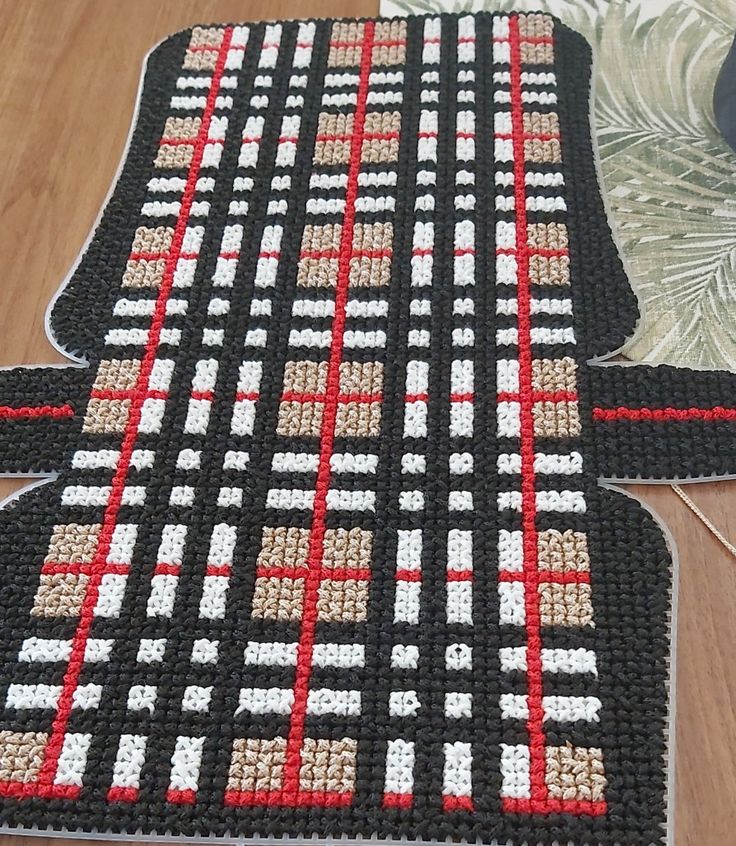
(247, 395)
(398, 800)
(718, 412)
(457, 803)
(529, 136)
(408, 575)
(462, 397)
(459, 575)
(577, 807)
(156, 256)
(74, 568)
(181, 797)
(213, 49)
(533, 251)
(539, 396)
(336, 574)
(96, 393)
(219, 570)
(122, 794)
(31, 411)
(26, 789)
(396, 42)
(164, 569)
(178, 142)
(416, 397)
(569, 577)
(291, 799)
(527, 39)
(202, 395)
(295, 396)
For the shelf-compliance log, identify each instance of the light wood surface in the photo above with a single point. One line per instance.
(68, 81)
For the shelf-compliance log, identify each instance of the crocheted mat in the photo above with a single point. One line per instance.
(327, 553)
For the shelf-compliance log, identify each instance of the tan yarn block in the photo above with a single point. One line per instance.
(117, 374)
(152, 239)
(536, 25)
(575, 773)
(342, 601)
(361, 377)
(21, 755)
(257, 764)
(554, 374)
(553, 270)
(278, 599)
(347, 548)
(59, 595)
(542, 152)
(562, 552)
(547, 236)
(283, 546)
(556, 419)
(358, 420)
(106, 417)
(328, 765)
(73, 543)
(565, 605)
(144, 273)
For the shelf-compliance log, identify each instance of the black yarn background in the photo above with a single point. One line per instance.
(630, 564)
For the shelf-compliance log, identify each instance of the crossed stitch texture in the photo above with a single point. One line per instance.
(327, 552)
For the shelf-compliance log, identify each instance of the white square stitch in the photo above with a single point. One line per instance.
(196, 698)
(403, 703)
(142, 697)
(182, 495)
(151, 650)
(404, 656)
(230, 498)
(205, 651)
(459, 656)
(458, 705)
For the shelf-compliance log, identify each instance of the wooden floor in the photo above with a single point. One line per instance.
(68, 84)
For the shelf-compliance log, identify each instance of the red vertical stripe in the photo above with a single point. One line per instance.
(109, 520)
(535, 727)
(327, 437)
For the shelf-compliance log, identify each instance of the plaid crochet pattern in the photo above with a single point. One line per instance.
(327, 552)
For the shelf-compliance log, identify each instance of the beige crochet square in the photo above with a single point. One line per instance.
(556, 419)
(106, 417)
(257, 764)
(554, 374)
(348, 548)
(59, 595)
(342, 601)
(565, 605)
(21, 755)
(562, 552)
(575, 773)
(73, 543)
(283, 546)
(328, 765)
(278, 599)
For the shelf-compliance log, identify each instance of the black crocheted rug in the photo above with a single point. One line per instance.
(327, 552)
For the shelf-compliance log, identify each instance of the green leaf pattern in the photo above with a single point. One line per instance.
(670, 178)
